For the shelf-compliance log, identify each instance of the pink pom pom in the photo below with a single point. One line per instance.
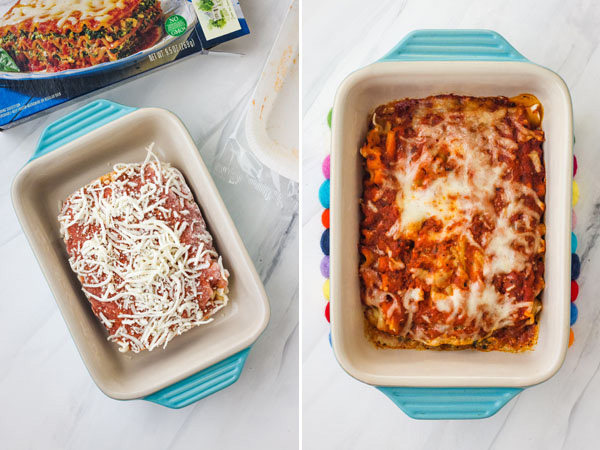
(325, 167)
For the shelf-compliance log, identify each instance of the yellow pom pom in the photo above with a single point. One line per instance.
(326, 289)
(575, 193)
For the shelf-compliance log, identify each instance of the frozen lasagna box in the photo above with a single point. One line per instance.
(54, 50)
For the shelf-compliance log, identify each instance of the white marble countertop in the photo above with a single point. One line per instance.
(342, 413)
(48, 399)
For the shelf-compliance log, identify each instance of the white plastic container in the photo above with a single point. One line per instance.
(271, 124)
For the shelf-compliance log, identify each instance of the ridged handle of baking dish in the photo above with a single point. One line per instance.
(453, 45)
(202, 384)
(450, 403)
(78, 123)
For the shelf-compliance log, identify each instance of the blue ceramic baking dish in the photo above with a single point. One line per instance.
(84, 145)
(460, 384)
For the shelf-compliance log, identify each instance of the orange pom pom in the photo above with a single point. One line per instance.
(325, 218)
(571, 337)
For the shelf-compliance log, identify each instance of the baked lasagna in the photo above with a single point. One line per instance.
(452, 232)
(146, 262)
(55, 35)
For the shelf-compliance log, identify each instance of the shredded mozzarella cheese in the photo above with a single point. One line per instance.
(157, 269)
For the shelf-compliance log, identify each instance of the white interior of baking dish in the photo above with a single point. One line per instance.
(41, 187)
(356, 98)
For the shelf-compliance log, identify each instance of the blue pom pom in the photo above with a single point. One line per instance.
(330, 340)
(324, 194)
(573, 242)
(574, 313)
(575, 266)
(325, 242)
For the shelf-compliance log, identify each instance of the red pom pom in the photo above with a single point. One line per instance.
(574, 165)
(574, 290)
(327, 312)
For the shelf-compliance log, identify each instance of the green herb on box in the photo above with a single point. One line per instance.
(205, 5)
(6, 62)
(219, 23)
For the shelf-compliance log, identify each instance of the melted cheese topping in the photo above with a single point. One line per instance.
(454, 197)
(140, 247)
(63, 11)
(451, 173)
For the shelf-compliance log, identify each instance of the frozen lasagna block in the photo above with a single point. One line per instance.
(140, 248)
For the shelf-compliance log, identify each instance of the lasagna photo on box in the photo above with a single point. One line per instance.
(452, 232)
(140, 248)
(56, 35)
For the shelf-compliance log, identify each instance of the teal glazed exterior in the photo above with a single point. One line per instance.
(453, 45)
(78, 123)
(197, 386)
(201, 385)
(449, 403)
